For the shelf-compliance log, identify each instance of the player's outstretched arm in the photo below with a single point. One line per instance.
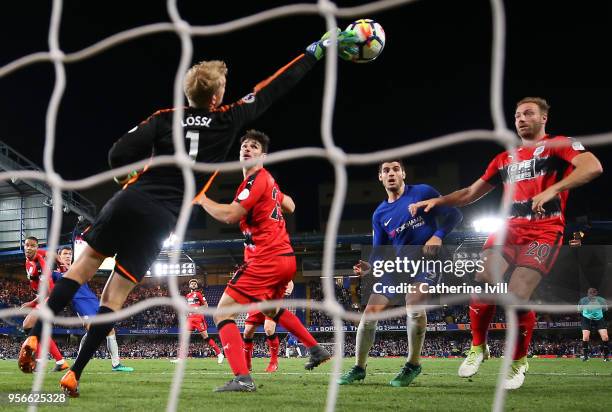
(225, 213)
(284, 79)
(458, 198)
(345, 40)
(587, 168)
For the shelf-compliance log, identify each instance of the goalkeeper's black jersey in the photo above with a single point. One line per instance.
(209, 135)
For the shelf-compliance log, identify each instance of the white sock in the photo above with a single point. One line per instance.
(366, 332)
(299, 351)
(113, 349)
(82, 341)
(60, 362)
(416, 327)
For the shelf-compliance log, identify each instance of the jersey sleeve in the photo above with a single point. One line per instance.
(603, 303)
(135, 145)
(492, 175)
(449, 217)
(379, 236)
(567, 148)
(279, 196)
(252, 192)
(202, 298)
(269, 90)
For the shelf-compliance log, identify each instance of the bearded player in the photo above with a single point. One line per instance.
(543, 169)
(35, 265)
(269, 261)
(150, 203)
(254, 320)
(197, 321)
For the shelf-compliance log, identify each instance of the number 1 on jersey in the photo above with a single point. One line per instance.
(194, 143)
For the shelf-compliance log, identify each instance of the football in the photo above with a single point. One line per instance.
(371, 40)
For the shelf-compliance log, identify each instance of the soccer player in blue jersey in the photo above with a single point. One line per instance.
(592, 307)
(85, 303)
(292, 342)
(393, 225)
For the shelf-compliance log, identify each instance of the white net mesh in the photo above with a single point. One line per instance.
(336, 156)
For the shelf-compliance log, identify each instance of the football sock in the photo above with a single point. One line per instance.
(53, 351)
(585, 348)
(60, 296)
(248, 351)
(481, 315)
(526, 322)
(366, 332)
(293, 324)
(233, 346)
(606, 348)
(273, 345)
(96, 334)
(213, 345)
(82, 341)
(417, 325)
(113, 349)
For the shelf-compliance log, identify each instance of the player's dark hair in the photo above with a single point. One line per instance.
(390, 161)
(259, 137)
(540, 102)
(61, 249)
(35, 239)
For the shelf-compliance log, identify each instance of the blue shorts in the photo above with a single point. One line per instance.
(86, 307)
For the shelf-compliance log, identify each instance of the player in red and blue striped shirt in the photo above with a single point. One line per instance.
(541, 172)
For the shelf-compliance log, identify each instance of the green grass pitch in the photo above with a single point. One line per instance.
(551, 384)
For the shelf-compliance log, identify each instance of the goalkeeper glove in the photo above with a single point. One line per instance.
(122, 180)
(346, 45)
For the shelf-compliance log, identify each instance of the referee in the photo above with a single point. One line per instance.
(592, 307)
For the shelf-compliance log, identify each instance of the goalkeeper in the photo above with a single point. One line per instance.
(148, 207)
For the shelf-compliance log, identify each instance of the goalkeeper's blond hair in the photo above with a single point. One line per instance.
(202, 81)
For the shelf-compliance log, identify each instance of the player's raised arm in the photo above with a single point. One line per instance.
(587, 167)
(284, 79)
(458, 198)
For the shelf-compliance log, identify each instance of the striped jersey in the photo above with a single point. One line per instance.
(533, 169)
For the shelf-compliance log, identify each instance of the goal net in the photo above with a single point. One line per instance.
(339, 158)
